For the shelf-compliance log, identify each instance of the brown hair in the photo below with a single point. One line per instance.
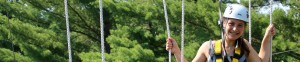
(243, 46)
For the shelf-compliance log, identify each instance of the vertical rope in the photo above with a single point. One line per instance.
(271, 8)
(222, 30)
(101, 30)
(68, 30)
(167, 25)
(220, 13)
(250, 41)
(182, 33)
(220, 20)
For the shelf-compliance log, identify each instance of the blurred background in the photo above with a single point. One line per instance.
(135, 30)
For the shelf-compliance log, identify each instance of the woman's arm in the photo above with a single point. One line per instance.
(265, 49)
(172, 44)
(178, 56)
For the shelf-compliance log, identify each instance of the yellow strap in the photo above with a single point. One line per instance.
(237, 51)
(218, 47)
(219, 60)
(235, 60)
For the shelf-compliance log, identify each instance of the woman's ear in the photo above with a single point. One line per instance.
(224, 22)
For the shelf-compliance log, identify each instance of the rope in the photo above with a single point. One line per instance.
(68, 30)
(221, 23)
(167, 25)
(101, 30)
(250, 41)
(271, 3)
(221, 26)
(220, 19)
(182, 32)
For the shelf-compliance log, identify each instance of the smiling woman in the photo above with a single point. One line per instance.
(233, 48)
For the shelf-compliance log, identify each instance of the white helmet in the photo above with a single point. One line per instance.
(236, 11)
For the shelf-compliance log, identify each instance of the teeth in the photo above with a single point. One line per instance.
(234, 33)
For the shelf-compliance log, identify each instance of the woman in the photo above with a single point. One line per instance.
(233, 47)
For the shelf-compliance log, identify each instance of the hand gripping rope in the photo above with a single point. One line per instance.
(182, 30)
(167, 25)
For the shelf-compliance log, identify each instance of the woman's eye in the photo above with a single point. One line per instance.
(240, 25)
(230, 24)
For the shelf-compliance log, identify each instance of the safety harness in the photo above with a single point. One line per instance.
(215, 52)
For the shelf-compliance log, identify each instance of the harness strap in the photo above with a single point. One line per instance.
(218, 47)
(216, 53)
(243, 58)
(218, 50)
(211, 54)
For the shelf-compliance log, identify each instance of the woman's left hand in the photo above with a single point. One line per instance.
(271, 31)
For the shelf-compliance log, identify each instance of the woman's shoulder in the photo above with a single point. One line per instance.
(204, 49)
(209, 43)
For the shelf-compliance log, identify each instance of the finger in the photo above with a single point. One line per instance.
(273, 31)
(167, 48)
(169, 44)
(170, 47)
(167, 39)
(170, 40)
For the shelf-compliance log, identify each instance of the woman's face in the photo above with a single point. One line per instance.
(234, 28)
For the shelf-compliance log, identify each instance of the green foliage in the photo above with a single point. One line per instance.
(90, 56)
(8, 56)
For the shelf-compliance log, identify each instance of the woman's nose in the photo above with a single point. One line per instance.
(234, 28)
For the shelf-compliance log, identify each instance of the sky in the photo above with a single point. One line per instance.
(266, 9)
(276, 4)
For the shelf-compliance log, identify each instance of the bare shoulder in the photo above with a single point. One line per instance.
(205, 47)
(203, 52)
(207, 43)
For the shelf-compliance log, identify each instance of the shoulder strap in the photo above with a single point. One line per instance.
(218, 47)
(211, 56)
(239, 55)
(218, 50)
(215, 52)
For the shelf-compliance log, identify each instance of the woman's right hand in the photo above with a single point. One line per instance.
(171, 44)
